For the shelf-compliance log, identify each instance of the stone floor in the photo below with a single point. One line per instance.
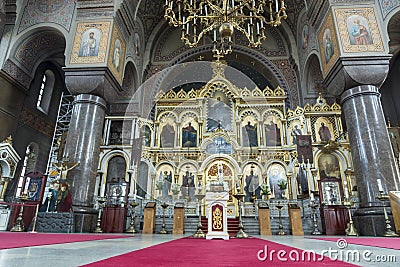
(75, 254)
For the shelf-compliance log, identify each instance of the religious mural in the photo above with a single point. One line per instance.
(164, 181)
(120, 132)
(219, 112)
(295, 130)
(249, 132)
(328, 166)
(146, 135)
(253, 178)
(188, 182)
(277, 180)
(358, 29)
(115, 133)
(305, 34)
(324, 133)
(219, 146)
(329, 49)
(302, 182)
(304, 149)
(323, 130)
(328, 44)
(90, 43)
(189, 135)
(143, 175)
(33, 188)
(116, 58)
(116, 54)
(136, 43)
(272, 128)
(167, 138)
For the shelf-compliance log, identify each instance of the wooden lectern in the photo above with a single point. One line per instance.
(149, 218)
(296, 223)
(179, 219)
(264, 219)
(394, 197)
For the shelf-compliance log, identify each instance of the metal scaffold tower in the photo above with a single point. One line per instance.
(61, 130)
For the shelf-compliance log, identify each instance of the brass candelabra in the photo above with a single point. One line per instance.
(101, 201)
(19, 223)
(388, 232)
(131, 228)
(199, 233)
(163, 231)
(241, 233)
(279, 206)
(314, 206)
(351, 229)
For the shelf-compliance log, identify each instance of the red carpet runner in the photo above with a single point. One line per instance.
(201, 252)
(18, 240)
(381, 242)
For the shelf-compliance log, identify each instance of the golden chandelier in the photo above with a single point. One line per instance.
(199, 17)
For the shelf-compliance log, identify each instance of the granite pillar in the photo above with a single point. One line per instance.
(2, 17)
(372, 154)
(83, 146)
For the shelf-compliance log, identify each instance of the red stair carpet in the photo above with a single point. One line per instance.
(18, 240)
(233, 225)
(201, 252)
(381, 242)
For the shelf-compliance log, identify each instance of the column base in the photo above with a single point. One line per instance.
(371, 221)
(85, 219)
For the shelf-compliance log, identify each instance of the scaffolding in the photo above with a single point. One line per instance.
(61, 129)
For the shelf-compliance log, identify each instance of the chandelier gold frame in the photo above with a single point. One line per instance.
(197, 18)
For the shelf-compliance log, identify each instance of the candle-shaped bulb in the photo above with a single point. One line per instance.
(380, 187)
(346, 192)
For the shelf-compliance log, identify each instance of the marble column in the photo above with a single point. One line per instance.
(2, 17)
(83, 146)
(372, 154)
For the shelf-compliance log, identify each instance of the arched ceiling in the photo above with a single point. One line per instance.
(163, 48)
(257, 74)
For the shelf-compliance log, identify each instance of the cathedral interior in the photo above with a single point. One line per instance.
(110, 108)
